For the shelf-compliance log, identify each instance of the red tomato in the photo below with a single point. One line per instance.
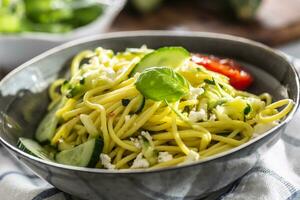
(238, 78)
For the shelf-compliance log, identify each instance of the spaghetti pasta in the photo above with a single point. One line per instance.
(101, 100)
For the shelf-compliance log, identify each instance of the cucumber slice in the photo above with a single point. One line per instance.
(163, 57)
(149, 152)
(139, 106)
(33, 148)
(47, 127)
(84, 155)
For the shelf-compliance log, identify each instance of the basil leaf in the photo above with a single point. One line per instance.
(247, 110)
(211, 82)
(162, 83)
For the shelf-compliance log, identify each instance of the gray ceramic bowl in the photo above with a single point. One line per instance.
(23, 101)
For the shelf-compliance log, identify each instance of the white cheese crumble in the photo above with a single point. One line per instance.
(191, 157)
(147, 135)
(212, 117)
(140, 162)
(220, 109)
(196, 116)
(94, 61)
(261, 128)
(136, 142)
(221, 113)
(109, 72)
(164, 157)
(105, 58)
(195, 92)
(106, 161)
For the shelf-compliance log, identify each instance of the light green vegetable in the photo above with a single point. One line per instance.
(53, 16)
(84, 155)
(74, 89)
(172, 57)
(83, 16)
(245, 9)
(162, 83)
(33, 148)
(47, 127)
(145, 6)
(9, 23)
(148, 151)
(138, 107)
(48, 11)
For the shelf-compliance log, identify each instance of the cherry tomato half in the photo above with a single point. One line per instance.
(238, 77)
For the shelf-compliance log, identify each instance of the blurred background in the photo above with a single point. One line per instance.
(29, 27)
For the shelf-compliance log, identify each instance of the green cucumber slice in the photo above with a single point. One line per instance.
(163, 57)
(47, 127)
(33, 148)
(149, 152)
(139, 106)
(84, 155)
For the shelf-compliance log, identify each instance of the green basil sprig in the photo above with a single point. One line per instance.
(162, 84)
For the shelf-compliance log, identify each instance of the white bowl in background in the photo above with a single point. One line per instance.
(18, 48)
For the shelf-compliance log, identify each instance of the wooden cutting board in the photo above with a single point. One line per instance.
(276, 22)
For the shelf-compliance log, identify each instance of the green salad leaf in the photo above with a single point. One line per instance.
(162, 83)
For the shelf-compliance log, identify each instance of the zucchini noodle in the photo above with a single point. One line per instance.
(100, 100)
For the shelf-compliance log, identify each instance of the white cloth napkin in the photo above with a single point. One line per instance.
(275, 177)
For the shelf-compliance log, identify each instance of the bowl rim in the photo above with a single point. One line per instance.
(151, 33)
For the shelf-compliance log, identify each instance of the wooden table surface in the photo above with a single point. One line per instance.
(276, 23)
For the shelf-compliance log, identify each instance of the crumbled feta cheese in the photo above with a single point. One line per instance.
(195, 92)
(140, 162)
(198, 59)
(212, 117)
(191, 157)
(221, 113)
(106, 161)
(105, 58)
(220, 109)
(261, 128)
(196, 116)
(94, 61)
(136, 142)
(97, 76)
(127, 118)
(109, 72)
(164, 157)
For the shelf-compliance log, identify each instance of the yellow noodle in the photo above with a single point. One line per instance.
(52, 90)
(176, 136)
(172, 162)
(76, 61)
(125, 160)
(265, 119)
(97, 111)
